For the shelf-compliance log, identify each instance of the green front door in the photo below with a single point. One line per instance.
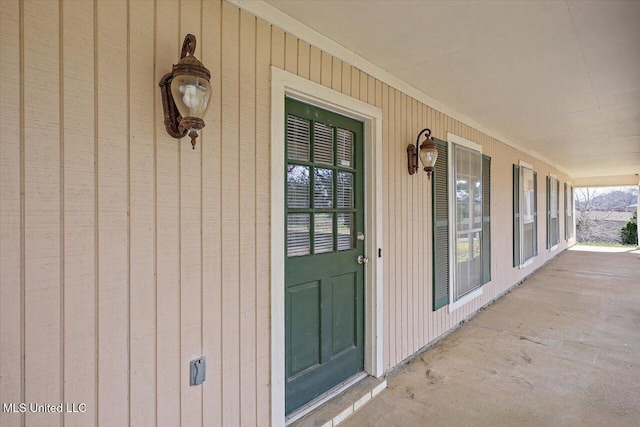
(324, 297)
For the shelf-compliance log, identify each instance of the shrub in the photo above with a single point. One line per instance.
(630, 231)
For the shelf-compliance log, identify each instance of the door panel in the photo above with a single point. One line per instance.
(324, 317)
(344, 310)
(304, 305)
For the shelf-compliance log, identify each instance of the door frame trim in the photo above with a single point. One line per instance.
(285, 84)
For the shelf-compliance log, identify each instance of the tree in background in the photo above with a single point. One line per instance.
(597, 210)
(629, 232)
(587, 229)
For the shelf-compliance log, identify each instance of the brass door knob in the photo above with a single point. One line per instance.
(362, 259)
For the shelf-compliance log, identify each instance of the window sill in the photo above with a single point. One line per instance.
(465, 299)
(527, 263)
(553, 248)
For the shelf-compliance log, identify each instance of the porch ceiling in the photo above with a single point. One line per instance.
(561, 79)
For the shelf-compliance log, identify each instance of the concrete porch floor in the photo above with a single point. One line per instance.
(562, 349)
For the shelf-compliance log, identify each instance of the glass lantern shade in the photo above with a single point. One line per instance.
(191, 94)
(428, 155)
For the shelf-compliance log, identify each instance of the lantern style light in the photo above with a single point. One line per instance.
(186, 92)
(428, 153)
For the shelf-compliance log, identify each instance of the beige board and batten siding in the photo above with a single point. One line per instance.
(125, 253)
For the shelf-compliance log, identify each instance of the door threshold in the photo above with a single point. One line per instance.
(324, 397)
(337, 404)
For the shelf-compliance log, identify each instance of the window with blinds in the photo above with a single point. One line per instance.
(553, 211)
(569, 226)
(525, 214)
(467, 248)
(568, 216)
(320, 187)
(468, 254)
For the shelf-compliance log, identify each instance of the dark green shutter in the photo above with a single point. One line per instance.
(548, 213)
(566, 208)
(440, 200)
(556, 228)
(516, 215)
(486, 219)
(535, 214)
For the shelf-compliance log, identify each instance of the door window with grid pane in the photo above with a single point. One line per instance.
(320, 187)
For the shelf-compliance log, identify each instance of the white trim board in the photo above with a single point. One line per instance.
(292, 26)
(452, 137)
(524, 164)
(527, 263)
(285, 84)
(465, 299)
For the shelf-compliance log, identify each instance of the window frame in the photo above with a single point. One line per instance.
(454, 303)
(569, 211)
(521, 218)
(551, 179)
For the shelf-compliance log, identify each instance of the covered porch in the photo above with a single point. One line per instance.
(560, 350)
(133, 261)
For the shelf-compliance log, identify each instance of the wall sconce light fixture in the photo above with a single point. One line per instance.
(428, 153)
(185, 94)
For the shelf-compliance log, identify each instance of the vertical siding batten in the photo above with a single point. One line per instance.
(277, 60)
(355, 83)
(386, 314)
(303, 59)
(168, 357)
(405, 280)
(78, 209)
(336, 74)
(189, 208)
(11, 211)
(200, 241)
(290, 53)
(389, 251)
(412, 182)
(42, 224)
(422, 238)
(96, 205)
(230, 224)
(112, 203)
(325, 69)
(416, 234)
(142, 86)
(345, 74)
(211, 176)
(315, 58)
(61, 172)
(363, 82)
(247, 217)
(263, 185)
